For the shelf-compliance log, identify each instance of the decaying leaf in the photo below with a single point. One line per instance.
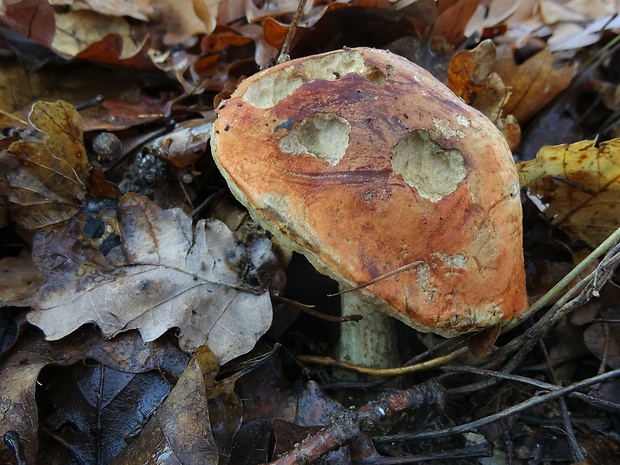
(534, 82)
(167, 276)
(191, 436)
(78, 29)
(451, 22)
(47, 180)
(22, 365)
(89, 393)
(578, 186)
(471, 77)
(19, 279)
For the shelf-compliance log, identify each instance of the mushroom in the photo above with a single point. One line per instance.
(366, 164)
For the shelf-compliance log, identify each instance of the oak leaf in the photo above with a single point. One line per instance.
(578, 187)
(164, 276)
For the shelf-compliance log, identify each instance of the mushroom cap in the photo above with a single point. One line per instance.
(364, 162)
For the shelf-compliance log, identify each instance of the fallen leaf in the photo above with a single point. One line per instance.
(183, 427)
(471, 77)
(20, 89)
(578, 187)
(76, 30)
(178, 21)
(111, 50)
(169, 277)
(33, 19)
(89, 393)
(47, 180)
(185, 144)
(489, 15)
(534, 82)
(137, 9)
(451, 22)
(575, 37)
(19, 280)
(21, 367)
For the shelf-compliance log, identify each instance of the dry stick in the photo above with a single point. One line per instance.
(284, 55)
(472, 426)
(16, 118)
(592, 285)
(589, 399)
(400, 269)
(309, 309)
(349, 424)
(568, 426)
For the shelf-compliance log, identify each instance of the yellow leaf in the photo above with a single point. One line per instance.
(578, 186)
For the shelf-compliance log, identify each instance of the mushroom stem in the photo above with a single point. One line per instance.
(370, 342)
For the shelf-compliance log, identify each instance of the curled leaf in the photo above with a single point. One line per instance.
(578, 186)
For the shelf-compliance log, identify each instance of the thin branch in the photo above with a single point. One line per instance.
(591, 400)
(473, 425)
(290, 35)
(400, 269)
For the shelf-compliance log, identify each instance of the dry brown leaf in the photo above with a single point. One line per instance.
(77, 30)
(578, 186)
(47, 180)
(534, 83)
(471, 77)
(19, 280)
(33, 19)
(20, 89)
(167, 277)
(15, 95)
(451, 22)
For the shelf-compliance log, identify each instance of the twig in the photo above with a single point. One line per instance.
(472, 426)
(349, 424)
(568, 426)
(16, 118)
(400, 269)
(311, 311)
(523, 344)
(595, 401)
(421, 366)
(290, 35)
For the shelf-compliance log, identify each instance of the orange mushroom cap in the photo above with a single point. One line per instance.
(364, 162)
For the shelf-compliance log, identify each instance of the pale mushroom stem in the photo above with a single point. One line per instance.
(370, 342)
